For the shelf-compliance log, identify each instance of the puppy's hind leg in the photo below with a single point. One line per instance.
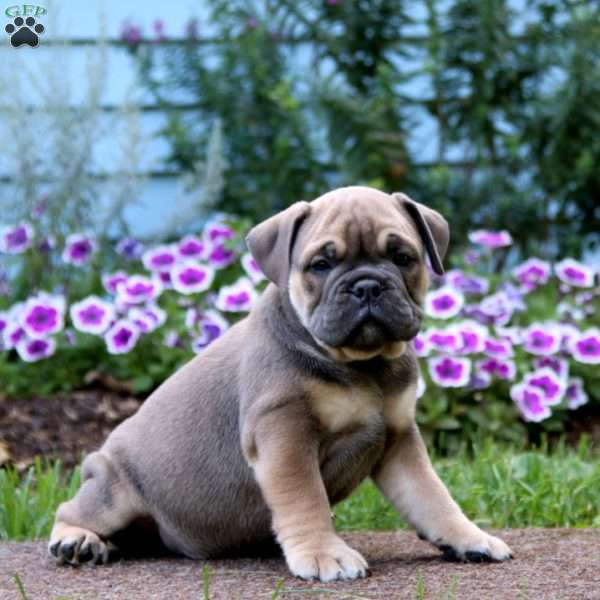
(105, 503)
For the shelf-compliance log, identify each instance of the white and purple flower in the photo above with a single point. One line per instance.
(16, 239)
(575, 273)
(490, 239)
(530, 402)
(541, 339)
(160, 258)
(110, 281)
(552, 385)
(502, 369)
(575, 394)
(533, 271)
(217, 231)
(252, 269)
(213, 325)
(444, 303)
(444, 340)
(13, 333)
(559, 365)
(450, 372)
(79, 249)
(191, 247)
(498, 348)
(122, 337)
(239, 297)
(33, 350)
(191, 277)
(585, 348)
(138, 289)
(221, 257)
(468, 284)
(421, 345)
(92, 315)
(130, 248)
(42, 316)
(473, 336)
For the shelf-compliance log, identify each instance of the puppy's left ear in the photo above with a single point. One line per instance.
(271, 242)
(432, 228)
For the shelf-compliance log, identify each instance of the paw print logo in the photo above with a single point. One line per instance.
(24, 31)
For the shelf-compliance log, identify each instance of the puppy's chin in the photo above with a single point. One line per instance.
(345, 354)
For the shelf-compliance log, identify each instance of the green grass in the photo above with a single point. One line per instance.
(495, 485)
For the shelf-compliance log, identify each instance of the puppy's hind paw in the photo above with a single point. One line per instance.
(75, 545)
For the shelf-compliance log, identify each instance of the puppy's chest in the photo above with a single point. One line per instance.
(339, 408)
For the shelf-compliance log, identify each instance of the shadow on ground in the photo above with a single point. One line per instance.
(549, 564)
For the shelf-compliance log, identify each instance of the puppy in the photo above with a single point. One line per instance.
(255, 439)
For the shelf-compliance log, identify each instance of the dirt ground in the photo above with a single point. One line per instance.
(549, 564)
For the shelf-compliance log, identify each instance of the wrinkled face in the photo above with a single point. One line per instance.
(358, 277)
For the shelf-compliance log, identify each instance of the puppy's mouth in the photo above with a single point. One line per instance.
(369, 331)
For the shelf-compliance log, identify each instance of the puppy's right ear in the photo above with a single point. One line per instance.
(271, 242)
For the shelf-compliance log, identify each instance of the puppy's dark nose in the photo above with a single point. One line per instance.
(367, 290)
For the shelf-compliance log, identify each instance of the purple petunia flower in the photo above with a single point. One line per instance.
(79, 248)
(220, 257)
(130, 248)
(468, 284)
(191, 277)
(160, 258)
(252, 269)
(575, 393)
(541, 339)
(213, 325)
(532, 272)
(121, 337)
(449, 372)
(110, 281)
(239, 297)
(156, 316)
(13, 333)
(490, 239)
(34, 350)
(574, 273)
(502, 369)
(192, 247)
(443, 303)
(568, 333)
(138, 289)
(586, 347)
(217, 231)
(472, 336)
(552, 385)
(42, 316)
(443, 340)
(498, 348)
(559, 365)
(421, 345)
(15, 240)
(172, 339)
(480, 380)
(530, 402)
(498, 307)
(92, 315)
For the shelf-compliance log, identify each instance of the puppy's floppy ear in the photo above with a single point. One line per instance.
(432, 228)
(271, 242)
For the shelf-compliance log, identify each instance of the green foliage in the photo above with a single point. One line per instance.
(315, 94)
(28, 503)
(496, 484)
(499, 486)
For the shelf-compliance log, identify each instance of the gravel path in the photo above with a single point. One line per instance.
(549, 564)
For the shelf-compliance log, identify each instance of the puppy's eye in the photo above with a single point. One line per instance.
(402, 259)
(320, 266)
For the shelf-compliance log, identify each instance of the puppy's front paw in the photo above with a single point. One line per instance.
(328, 560)
(75, 545)
(473, 545)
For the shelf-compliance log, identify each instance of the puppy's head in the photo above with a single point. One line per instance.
(353, 265)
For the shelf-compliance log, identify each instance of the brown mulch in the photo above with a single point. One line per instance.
(62, 426)
(549, 564)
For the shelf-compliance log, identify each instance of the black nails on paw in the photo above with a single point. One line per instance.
(86, 554)
(68, 551)
(54, 549)
(477, 557)
(24, 32)
(449, 552)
